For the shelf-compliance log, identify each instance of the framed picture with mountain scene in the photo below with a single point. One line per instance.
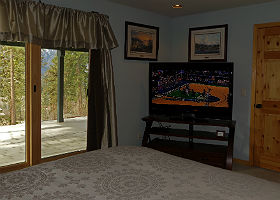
(141, 42)
(208, 43)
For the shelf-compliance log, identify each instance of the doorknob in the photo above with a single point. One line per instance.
(259, 106)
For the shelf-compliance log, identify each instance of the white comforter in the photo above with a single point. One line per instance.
(132, 173)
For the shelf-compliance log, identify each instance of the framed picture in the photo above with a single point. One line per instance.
(141, 41)
(208, 43)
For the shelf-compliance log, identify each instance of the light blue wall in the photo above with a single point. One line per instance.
(131, 77)
(240, 46)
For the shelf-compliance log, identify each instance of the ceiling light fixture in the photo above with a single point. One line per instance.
(177, 6)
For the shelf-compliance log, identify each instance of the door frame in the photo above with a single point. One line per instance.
(26, 163)
(253, 86)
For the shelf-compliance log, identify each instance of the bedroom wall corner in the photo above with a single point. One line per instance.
(241, 21)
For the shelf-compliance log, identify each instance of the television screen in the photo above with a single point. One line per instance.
(192, 85)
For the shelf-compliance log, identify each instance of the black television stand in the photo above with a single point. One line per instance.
(216, 155)
(187, 117)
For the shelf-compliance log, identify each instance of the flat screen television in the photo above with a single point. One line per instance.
(196, 90)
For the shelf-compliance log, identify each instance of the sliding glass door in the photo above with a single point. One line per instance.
(64, 76)
(12, 104)
(75, 104)
(43, 104)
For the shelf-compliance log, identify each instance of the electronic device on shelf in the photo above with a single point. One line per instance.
(191, 90)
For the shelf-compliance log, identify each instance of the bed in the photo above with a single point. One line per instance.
(132, 173)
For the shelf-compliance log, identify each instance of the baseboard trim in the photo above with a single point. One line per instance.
(242, 162)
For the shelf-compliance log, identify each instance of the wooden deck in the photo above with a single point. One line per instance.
(57, 138)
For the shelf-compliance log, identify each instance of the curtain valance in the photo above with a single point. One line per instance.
(54, 27)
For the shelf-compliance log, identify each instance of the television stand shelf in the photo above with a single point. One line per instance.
(216, 155)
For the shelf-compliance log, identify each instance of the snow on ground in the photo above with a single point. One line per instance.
(57, 138)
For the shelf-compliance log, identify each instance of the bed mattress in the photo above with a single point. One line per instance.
(132, 173)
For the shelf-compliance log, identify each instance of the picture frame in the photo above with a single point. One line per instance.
(141, 42)
(208, 43)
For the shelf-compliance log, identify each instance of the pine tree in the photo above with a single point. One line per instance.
(12, 81)
(75, 86)
(12, 89)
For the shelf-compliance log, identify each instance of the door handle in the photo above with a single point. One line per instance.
(258, 106)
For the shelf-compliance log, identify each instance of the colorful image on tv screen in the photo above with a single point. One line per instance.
(191, 87)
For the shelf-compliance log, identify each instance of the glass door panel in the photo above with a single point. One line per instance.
(64, 101)
(12, 105)
(50, 129)
(75, 105)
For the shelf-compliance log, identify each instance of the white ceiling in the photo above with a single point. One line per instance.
(164, 7)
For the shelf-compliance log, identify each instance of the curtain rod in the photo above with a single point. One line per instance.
(91, 11)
